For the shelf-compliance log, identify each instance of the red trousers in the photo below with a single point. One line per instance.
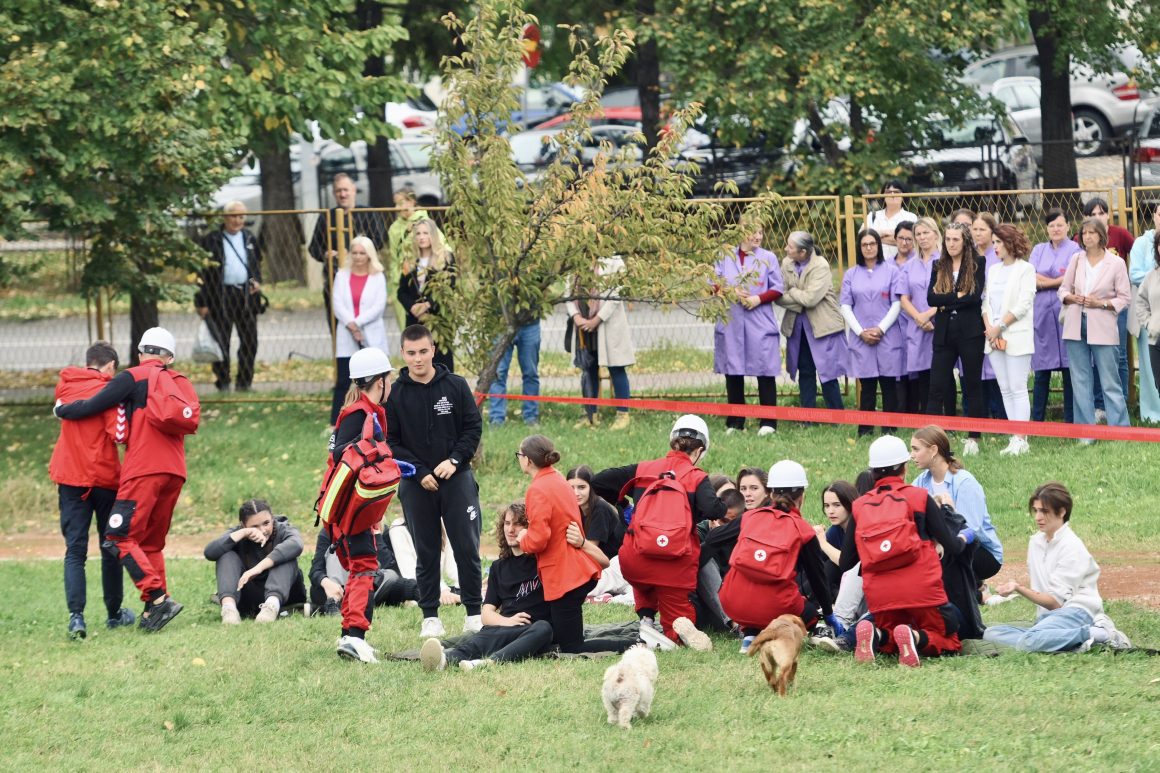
(138, 526)
(670, 602)
(929, 620)
(359, 555)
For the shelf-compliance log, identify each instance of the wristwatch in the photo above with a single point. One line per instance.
(453, 460)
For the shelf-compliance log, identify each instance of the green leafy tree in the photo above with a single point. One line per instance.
(519, 240)
(103, 135)
(760, 65)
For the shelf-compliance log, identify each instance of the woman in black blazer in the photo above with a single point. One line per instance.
(956, 290)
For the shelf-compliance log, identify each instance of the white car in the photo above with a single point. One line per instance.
(410, 168)
(1145, 158)
(416, 114)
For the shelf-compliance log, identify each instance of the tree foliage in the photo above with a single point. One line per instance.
(760, 65)
(519, 238)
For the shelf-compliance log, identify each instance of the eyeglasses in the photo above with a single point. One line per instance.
(520, 453)
(869, 244)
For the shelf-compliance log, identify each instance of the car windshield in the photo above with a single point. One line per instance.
(1151, 128)
(969, 134)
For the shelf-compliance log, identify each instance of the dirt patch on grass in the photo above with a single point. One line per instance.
(1131, 577)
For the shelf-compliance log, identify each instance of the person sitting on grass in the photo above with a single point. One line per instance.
(515, 615)
(328, 579)
(602, 523)
(257, 565)
(1064, 585)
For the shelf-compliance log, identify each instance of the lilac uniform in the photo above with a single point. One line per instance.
(870, 294)
(913, 281)
(831, 354)
(749, 343)
(1051, 262)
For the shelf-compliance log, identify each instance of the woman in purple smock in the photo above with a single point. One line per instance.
(1050, 261)
(748, 342)
(917, 316)
(870, 306)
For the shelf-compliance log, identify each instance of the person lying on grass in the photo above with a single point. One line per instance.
(1064, 585)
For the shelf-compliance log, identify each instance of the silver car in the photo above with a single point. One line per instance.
(410, 168)
(1103, 105)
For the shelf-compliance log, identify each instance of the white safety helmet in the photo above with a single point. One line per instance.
(158, 338)
(691, 425)
(369, 362)
(787, 474)
(888, 451)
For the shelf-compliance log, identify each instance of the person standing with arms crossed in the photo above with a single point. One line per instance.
(434, 424)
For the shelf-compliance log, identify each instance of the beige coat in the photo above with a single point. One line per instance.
(1148, 306)
(613, 338)
(812, 292)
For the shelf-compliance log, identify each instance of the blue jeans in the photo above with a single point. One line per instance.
(590, 386)
(527, 340)
(808, 378)
(1057, 631)
(1121, 362)
(1042, 390)
(1080, 355)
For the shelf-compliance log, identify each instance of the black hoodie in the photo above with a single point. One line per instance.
(427, 423)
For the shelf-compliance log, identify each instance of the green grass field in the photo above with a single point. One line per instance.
(200, 696)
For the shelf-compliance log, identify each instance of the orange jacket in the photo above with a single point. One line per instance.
(551, 505)
(85, 454)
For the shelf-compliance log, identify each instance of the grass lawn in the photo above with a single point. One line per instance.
(199, 696)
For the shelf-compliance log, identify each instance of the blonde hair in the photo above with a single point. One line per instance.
(371, 251)
(353, 393)
(439, 255)
(932, 225)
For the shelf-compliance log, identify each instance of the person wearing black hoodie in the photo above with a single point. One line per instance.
(433, 422)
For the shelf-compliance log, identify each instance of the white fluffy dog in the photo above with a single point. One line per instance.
(629, 686)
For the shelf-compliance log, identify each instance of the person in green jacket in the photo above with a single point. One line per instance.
(399, 242)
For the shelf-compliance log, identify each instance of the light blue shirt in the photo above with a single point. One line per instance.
(971, 503)
(234, 258)
(1141, 261)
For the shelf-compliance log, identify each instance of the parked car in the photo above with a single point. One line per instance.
(410, 167)
(979, 154)
(246, 185)
(535, 149)
(1103, 105)
(1145, 162)
(416, 114)
(537, 104)
(622, 116)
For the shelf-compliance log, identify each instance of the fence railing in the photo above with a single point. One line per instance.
(46, 323)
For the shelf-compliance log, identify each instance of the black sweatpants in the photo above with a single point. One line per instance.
(283, 581)
(567, 618)
(456, 506)
(78, 506)
(504, 643)
(942, 374)
(234, 310)
(735, 394)
(868, 401)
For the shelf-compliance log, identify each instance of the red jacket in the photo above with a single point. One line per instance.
(150, 451)
(85, 454)
(551, 505)
(753, 602)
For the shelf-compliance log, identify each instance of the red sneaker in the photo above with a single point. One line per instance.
(864, 649)
(907, 644)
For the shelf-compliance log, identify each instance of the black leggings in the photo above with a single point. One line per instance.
(504, 643)
(567, 617)
(735, 394)
(942, 375)
(869, 399)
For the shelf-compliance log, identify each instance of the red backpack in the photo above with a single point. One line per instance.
(359, 487)
(887, 536)
(662, 518)
(768, 545)
(172, 405)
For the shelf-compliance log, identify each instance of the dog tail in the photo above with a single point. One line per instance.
(759, 640)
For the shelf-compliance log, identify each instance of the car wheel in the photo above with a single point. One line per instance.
(1092, 133)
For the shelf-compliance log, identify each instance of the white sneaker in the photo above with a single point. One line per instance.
(432, 656)
(354, 648)
(766, 431)
(745, 642)
(471, 665)
(1117, 640)
(1012, 448)
(1101, 416)
(693, 639)
(970, 447)
(432, 628)
(473, 624)
(731, 430)
(654, 639)
(1024, 447)
(268, 613)
(230, 615)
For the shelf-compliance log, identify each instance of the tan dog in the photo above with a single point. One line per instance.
(779, 645)
(629, 686)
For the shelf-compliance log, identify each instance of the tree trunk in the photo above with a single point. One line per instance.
(487, 374)
(281, 236)
(142, 316)
(648, 73)
(380, 189)
(1059, 169)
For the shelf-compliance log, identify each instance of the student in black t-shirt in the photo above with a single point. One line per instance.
(602, 523)
(515, 615)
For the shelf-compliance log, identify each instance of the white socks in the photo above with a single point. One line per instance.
(1099, 635)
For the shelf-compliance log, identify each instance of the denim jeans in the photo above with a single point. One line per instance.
(1056, 631)
(1121, 362)
(590, 386)
(1042, 390)
(527, 340)
(807, 382)
(1080, 355)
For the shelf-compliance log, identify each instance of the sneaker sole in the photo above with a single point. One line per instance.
(825, 643)
(164, 621)
(692, 638)
(864, 650)
(907, 652)
(431, 654)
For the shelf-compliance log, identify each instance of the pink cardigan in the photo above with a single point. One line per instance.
(1111, 285)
